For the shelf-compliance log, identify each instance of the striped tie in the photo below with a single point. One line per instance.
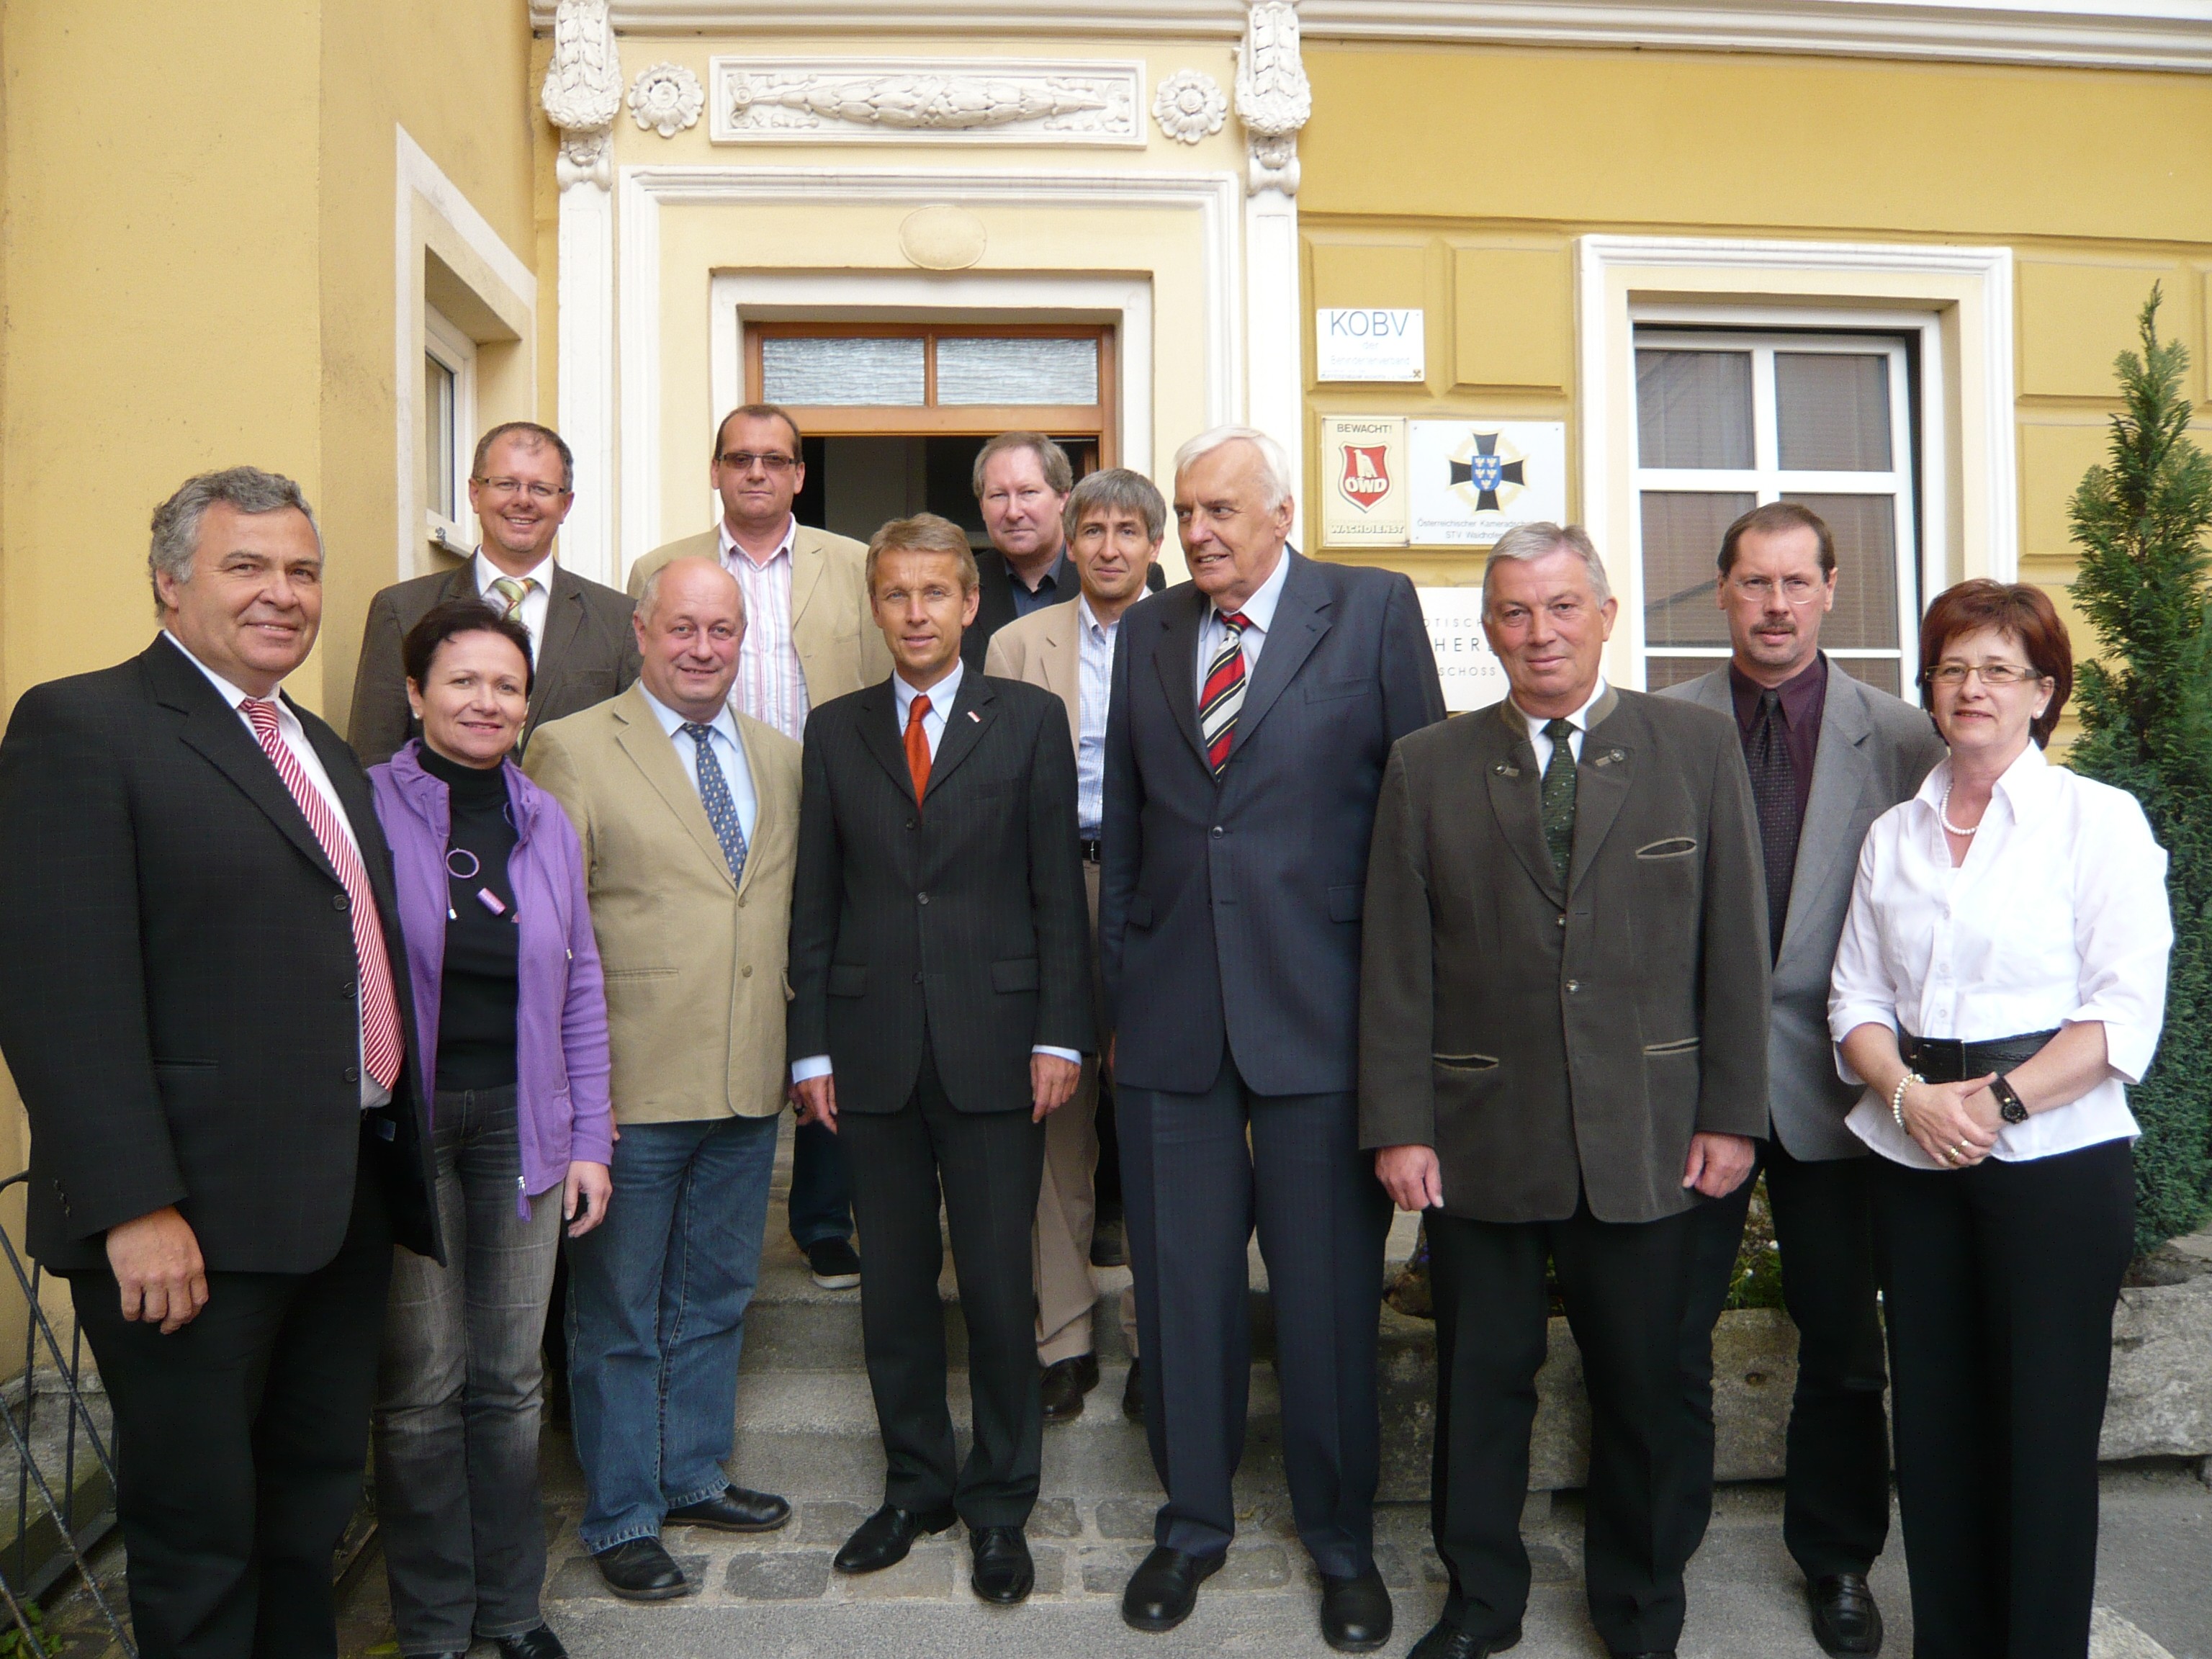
(512, 593)
(1223, 699)
(381, 1043)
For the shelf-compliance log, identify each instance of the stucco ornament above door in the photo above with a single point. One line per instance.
(666, 99)
(1190, 105)
(913, 101)
(1273, 99)
(583, 91)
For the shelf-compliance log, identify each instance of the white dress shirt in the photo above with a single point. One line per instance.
(1579, 719)
(534, 603)
(1094, 650)
(2057, 916)
(1259, 613)
(771, 686)
(940, 696)
(729, 754)
(294, 735)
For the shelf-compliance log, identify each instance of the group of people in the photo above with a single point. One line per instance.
(933, 845)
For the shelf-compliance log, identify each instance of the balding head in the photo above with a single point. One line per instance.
(690, 620)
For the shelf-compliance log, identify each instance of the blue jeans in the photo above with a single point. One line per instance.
(656, 1299)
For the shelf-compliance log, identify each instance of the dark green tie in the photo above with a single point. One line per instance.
(1559, 797)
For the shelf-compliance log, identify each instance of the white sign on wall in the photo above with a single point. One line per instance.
(1369, 343)
(1474, 480)
(1473, 678)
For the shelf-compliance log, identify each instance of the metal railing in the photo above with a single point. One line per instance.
(55, 1541)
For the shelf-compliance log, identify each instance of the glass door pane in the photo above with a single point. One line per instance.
(843, 369)
(985, 370)
(1694, 409)
(1832, 408)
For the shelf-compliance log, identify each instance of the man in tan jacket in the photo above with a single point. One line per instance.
(688, 812)
(809, 637)
(1114, 522)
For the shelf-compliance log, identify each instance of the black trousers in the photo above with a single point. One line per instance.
(988, 1167)
(1626, 1286)
(1197, 1171)
(1835, 1513)
(2000, 1283)
(239, 1442)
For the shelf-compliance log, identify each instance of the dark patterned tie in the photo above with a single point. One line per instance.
(1222, 698)
(714, 796)
(1559, 797)
(1774, 791)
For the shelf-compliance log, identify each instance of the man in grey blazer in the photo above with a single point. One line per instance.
(520, 487)
(1252, 711)
(1827, 754)
(1562, 1019)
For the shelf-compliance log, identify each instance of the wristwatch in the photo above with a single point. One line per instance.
(2010, 1107)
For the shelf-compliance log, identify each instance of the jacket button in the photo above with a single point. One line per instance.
(909, 823)
(353, 1074)
(346, 992)
(1574, 985)
(1219, 831)
(1563, 918)
(746, 971)
(741, 901)
(340, 901)
(921, 898)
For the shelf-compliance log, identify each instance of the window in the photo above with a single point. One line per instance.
(1729, 421)
(449, 372)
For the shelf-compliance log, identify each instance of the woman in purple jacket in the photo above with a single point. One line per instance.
(511, 1020)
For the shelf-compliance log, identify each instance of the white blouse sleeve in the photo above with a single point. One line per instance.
(1859, 988)
(2124, 929)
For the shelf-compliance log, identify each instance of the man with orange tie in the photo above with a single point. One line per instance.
(203, 1000)
(940, 971)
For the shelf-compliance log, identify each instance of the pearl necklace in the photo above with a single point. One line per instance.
(1943, 811)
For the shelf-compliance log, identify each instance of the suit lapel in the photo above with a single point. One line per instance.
(767, 812)
(807, 564)
(876, 711)
(1063, 661)
(1516, 796)
(964, 724)
(1841, 771)
(1301, 618)
(564, 618)
(1176, 661)
(637, 731)
(1601, 782)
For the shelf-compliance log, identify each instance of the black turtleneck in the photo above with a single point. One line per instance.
(476, 1003)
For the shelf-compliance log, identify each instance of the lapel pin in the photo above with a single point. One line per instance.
(976, 717)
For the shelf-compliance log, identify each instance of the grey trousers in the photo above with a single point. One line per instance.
(458, 1391)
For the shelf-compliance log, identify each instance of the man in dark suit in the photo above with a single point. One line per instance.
(1828, 755)
(202, 1000)
(1562, 1042)
(584, 651)
(1253, 709)
(940, 971)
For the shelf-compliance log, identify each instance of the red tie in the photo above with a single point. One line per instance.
(917, 747)
(382, 1045)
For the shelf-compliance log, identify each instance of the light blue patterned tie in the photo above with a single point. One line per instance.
(714, 795)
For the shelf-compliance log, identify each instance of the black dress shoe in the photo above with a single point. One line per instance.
(885, 1537)
(1162, 1592)
(1448, 1641)
(1004, 1573)
(1355, 1612)
(734, 1510)
(1132, 1395)
(1065, 1384)
(834, 1264)
(539, 1644)
(1845, 1620)
(642, 1570)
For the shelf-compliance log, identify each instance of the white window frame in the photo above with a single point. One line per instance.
(1767, 481)
(457, 353)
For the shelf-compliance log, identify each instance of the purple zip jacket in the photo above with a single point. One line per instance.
(560, 1005)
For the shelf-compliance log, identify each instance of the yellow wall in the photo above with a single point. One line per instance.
(2092, 178)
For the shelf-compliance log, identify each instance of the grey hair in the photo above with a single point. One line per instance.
(1275, 465)
(1536, 541)
(177, 521)
(1116, 489)
(649, 596)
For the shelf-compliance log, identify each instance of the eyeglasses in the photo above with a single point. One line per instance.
(744, 460)
(1991, 673)
(536, 492)
(1795, 590)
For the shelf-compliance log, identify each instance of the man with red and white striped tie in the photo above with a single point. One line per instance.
(202, 1003)
(1252, 711)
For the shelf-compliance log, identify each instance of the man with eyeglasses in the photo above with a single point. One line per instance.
(521, 486)
(809, 637)
(1828, 755)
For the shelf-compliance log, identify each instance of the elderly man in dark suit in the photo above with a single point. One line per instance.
(521, 487)
(202, 1000)
(1828, 755)
(1253, 709)
(940, 971)
(1562, 1024)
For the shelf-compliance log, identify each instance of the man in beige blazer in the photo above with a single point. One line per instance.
(809, 637)
(688, 812)
(1114, 521)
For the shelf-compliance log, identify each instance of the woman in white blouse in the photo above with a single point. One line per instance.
(2001, 979)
